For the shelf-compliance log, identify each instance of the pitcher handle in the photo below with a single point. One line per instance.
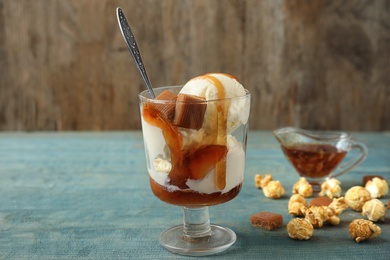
(353, 162)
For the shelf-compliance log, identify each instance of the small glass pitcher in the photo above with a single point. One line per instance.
(316, 155)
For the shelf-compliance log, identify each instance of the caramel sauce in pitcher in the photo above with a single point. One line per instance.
(314, 160)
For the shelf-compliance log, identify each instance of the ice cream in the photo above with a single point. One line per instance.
(215, 86)
(195, 140)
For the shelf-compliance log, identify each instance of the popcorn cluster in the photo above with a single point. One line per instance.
(303, 188)
(361, 229)
(262, 181)
(317, 215)
(377, 187)
(374, 210)
(331, 188)
(272, 189)
(329, 205)
(300, 228)
(297, 205)
(356, 197)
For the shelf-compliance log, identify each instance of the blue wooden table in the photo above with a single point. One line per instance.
(86, 196)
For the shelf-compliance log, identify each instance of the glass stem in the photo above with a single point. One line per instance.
(196, 223)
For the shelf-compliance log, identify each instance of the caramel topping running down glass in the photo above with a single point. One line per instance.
(220, 137)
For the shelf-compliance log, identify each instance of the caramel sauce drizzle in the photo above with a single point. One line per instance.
(220, 134)
(172, 136)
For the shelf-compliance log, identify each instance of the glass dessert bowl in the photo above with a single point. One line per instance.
(195, 144)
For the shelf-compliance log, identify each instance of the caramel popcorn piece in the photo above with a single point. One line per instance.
(262, 181)
(297, 205)
(298, 198)
(338, 205)
(303, 187)
(300, 228)
(318, 215)
(361, 229)
(356, 197)
(331, 188)
(273, 190)
(377, 187)
(374, 210)
(267, 220)
(296, 209)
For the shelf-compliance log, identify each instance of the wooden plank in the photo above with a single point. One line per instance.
(313, 64)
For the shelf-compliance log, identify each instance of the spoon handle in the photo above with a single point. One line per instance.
(129, 38)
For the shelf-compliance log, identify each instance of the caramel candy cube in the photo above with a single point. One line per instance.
(167, 109)
(321, 201)
(189, 111)
(267, 220)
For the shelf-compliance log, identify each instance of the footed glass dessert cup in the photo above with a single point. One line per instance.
(317, 155)
(195, 154)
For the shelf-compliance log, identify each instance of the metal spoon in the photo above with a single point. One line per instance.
(129, 38)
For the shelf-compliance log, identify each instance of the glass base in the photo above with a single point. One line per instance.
(316, 186)
(175, 241)
(316, 183)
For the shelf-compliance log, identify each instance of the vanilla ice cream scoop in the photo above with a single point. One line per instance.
(216, 86)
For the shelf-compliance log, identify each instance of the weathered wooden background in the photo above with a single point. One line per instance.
(313, 64)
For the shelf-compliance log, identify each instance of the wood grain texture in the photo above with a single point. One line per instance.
(312, 64)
